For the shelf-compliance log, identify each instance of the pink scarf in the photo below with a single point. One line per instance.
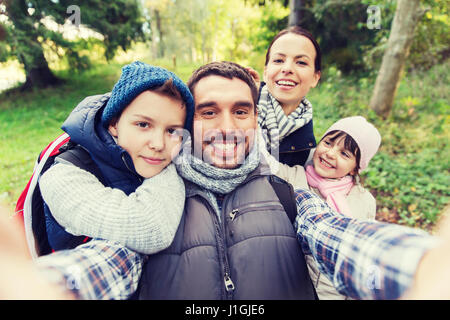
(334, 191)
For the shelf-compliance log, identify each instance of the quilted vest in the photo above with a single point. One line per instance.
(294, 149)
(250, 252)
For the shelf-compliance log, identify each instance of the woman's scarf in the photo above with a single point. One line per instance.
(334, 191)
(272, 118)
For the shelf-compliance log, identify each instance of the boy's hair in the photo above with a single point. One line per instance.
(301, 32)
(169, 89)
(349, 144)
(227, 70)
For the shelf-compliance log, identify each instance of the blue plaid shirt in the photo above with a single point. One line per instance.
(363, 259)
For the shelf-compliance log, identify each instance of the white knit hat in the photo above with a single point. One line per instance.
(364, 133)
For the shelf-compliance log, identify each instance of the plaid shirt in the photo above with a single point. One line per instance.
(364, 260)
(98, 269)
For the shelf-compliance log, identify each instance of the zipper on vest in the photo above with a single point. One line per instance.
(261, 206)
(233, 214)
(294, 151)
(229, 285)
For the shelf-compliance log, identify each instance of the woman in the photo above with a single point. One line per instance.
(292, 68)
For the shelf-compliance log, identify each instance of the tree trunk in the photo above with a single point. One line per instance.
(38, 74)
(407, 16)
(160, 33)
(295, 16)
(29, 52)
(154, 46)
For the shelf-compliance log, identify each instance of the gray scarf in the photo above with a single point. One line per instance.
(210, 178)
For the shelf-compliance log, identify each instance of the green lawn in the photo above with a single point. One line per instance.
(409, 176)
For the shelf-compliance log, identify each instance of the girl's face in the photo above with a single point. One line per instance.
(332, 160)
(150, 130)
(290, 71)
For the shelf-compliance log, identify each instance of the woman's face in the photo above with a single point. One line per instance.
(290, 71)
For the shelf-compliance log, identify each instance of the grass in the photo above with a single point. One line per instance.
(29, 121)
(409, 175)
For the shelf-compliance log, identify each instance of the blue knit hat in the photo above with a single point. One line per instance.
(137, 77)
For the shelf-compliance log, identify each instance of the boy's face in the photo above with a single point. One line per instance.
(150, 130)
(224, 121)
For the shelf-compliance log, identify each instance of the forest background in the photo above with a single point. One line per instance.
(54, 53)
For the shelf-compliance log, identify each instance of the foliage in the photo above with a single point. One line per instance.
(202, 30)
(30, 25)
(273, 19)
(431, 44)
(431, 40)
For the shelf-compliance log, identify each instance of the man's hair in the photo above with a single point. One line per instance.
(169, 89)
(227, 70)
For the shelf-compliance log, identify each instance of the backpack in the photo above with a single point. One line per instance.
(30, 205)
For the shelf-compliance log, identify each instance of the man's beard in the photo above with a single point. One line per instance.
(227, 150)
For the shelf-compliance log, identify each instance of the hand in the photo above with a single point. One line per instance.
(255, 76)
(19, 279)
(432, 279)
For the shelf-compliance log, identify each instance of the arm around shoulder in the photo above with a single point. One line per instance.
(145, 221)
(294, 175)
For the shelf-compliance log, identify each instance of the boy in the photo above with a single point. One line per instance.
(132, 136)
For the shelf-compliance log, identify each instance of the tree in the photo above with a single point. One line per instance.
(26, 30)
(157, 9)
(407, 16)
(295, 16)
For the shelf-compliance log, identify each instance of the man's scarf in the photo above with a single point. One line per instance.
(216, 180)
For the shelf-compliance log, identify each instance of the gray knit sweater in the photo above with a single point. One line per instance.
(145, 221)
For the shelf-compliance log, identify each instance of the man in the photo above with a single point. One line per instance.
(235, 241)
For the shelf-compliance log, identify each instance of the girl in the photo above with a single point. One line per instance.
(292, 68)
(331, 172)
(132, 136)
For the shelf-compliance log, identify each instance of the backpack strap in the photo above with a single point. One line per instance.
(80, 157)
(286, 195)
(285, 192)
